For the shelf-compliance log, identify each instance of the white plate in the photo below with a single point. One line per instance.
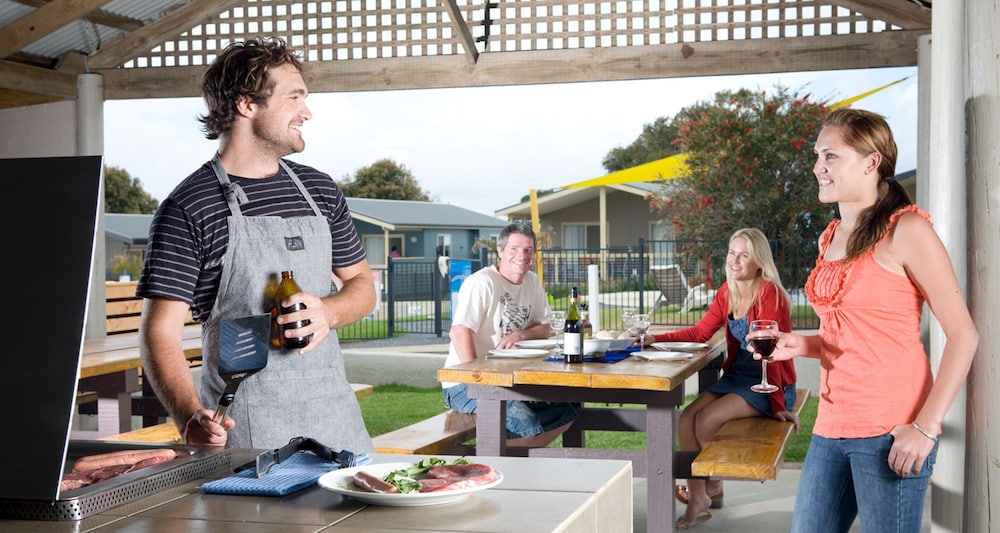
(342, 482)
(518, 352)
(682, 346)
(663, 356)
(537, 343)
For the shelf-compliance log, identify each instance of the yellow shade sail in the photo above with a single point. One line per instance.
(666, 168)
(675, 165)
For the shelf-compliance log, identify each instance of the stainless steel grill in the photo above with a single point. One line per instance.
(193, 462)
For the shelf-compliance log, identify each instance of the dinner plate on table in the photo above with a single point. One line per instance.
(538, 344)
(662, 355)
(679, 346)
(342, 482)
(518, 353)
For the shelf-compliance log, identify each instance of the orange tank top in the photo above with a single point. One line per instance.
(874, 373)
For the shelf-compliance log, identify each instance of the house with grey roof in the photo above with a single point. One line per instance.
(416, 229)
(124, 235)
(419, 229)
(594, 218)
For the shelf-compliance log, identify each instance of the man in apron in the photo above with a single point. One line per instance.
(217, 247)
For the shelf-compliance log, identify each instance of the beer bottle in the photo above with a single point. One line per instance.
(588, 328)
(286, 288)
(573, 336)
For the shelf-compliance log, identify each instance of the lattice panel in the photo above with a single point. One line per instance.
(368, 29)
(708, 21)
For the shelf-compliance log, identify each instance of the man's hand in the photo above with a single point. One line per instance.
(200, 429)
(315, 312)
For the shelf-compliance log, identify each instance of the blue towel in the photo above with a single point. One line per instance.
(611, 356)
(295, 473)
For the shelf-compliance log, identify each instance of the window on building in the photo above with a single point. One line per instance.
(444, 244)
(662, 244)
(375, 249)
(582, 236)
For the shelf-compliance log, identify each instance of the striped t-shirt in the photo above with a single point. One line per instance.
(189, 233)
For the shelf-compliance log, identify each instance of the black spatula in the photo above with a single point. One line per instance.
(242, 353)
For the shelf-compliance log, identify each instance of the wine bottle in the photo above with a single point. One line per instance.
(573, 335)
(286, 288)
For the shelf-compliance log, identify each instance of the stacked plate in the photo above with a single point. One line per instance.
(679, 346)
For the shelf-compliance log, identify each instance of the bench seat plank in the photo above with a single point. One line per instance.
(435, 435)
(748, 448)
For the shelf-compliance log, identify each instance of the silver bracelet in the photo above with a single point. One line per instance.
(923, 431)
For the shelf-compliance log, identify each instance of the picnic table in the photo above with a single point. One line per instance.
(658, 385)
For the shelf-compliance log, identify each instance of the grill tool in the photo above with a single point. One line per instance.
(266, 460)
(243, 345)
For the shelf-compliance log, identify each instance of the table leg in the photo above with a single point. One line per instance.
(115, 399)
(660, 505)
(491, 422)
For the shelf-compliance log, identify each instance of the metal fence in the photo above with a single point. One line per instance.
(415, 295)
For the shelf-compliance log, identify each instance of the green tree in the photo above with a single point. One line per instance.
(124, 194)
(385, 179)
(655, 142)
(750, 164)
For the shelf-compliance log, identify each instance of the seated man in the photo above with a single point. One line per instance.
(497, 307)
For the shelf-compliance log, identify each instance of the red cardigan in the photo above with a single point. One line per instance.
(768, 306)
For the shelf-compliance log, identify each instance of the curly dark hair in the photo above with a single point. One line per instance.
(240, 71)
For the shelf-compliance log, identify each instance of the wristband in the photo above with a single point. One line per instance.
(923, 431)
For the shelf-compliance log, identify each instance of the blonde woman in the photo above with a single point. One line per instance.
(752, 291)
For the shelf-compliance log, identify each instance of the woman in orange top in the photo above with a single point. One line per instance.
(880, 410)
(752, 291)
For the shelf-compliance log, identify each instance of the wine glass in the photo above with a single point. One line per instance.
(641, 323)
(628, 320)
(557, 322)
(763, 336)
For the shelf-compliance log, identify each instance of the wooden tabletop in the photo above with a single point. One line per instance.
(631, 373)
(118, 353)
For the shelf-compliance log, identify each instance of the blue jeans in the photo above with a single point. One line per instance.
(524, 419)
(846, 478)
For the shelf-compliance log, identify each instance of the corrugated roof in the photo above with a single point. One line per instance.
(403, 213)
(83, 35)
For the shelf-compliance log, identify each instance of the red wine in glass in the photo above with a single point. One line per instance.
(763, 338)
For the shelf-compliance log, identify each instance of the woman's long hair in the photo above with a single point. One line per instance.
(866, 132)
(760, 252)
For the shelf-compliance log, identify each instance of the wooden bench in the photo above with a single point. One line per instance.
(748, 448)
(166, 433)
(362, 389)
(123, 309)
(86, 397)
(439, 434)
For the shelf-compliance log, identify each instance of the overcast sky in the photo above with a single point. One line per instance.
(481, 148)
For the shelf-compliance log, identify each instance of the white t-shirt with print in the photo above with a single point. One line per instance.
(491, 307)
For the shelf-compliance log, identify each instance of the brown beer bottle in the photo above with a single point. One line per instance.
(286, 288)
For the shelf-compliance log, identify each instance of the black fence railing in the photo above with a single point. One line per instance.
(415, 296)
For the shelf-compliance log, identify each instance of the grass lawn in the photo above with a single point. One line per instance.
(394, 406)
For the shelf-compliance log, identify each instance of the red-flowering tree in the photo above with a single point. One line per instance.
(750, 159)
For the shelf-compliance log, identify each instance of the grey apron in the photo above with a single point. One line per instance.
(295, 395)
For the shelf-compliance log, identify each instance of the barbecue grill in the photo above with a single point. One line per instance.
(45, 317)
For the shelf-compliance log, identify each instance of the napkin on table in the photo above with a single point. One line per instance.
(610, 356)
(293, 474)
